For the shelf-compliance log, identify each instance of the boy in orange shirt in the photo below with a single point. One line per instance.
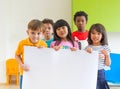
(34, 33)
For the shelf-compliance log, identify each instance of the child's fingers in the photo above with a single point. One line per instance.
(40, 47)
(104, 52)
(89, 50)
(25, 67)
(56, 48)
(73, 49)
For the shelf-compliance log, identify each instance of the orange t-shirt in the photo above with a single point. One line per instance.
(26, 42)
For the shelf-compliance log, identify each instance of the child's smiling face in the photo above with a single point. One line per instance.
(34, 35)
(96, 37)
(62, 32)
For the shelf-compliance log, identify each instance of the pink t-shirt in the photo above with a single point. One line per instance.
(65, 44)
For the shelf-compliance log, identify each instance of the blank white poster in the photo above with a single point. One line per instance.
(63, 69)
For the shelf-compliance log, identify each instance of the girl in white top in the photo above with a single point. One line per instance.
(97, 40)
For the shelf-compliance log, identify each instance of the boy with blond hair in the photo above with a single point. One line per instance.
(34, 33)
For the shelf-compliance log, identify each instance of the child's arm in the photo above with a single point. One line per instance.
(52, 45)
(73, 49)
(56, 48)
(107, 57)
(25, 67)
(76, 46)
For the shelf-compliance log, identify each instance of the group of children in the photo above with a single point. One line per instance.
(58, 35)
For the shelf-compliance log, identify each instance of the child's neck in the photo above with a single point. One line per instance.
(64, 39)
(96, 44)
(48, 37)
(81, 30)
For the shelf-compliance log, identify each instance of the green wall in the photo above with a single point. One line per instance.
(106, 12)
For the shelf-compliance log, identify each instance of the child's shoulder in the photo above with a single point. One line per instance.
(43, 43)
(74, 32)
(24, 40)
(78, 32)
(53, 42)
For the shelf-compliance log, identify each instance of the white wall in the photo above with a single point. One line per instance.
(14, 17)
(114, 41)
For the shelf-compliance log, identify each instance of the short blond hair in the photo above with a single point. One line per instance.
(35, 24)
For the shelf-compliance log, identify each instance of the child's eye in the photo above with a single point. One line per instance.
(99, 33)
(78, 21)
(39, 33)
(32, 33)
(58, 29)
(83, 21)
(63, 27)
(92, 33)
(49, 28)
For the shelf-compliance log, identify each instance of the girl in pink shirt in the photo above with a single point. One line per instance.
(62, 36)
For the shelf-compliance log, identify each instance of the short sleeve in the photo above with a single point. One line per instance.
(19, 49)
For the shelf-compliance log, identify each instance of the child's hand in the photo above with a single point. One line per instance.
(40, 47)
(73, 49)
(104, 52)
(89, 50)
(25, 67)
(56, 48)
(106, 57)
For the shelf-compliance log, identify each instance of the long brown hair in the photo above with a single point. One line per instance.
(60, 23)
(99, 28)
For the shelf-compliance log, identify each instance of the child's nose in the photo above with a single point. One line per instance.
(80, 22)
(36, 35)
(47, 29)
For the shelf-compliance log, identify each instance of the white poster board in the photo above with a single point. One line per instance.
(63, 69)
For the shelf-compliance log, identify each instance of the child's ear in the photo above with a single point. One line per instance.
(27, 31)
